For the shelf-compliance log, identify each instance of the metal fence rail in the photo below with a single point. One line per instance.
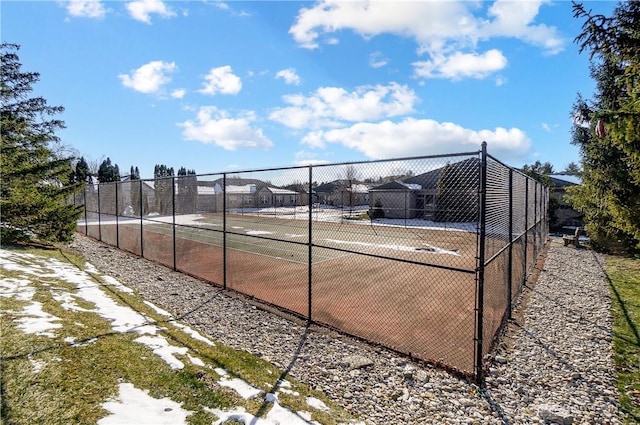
(424, 255)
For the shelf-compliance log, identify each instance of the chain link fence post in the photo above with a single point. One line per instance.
(511, 241)
(99, 214)
(117, 213)
(480, 265)
(310, 242)
(141, 222)
(86, 220)
(173, 213)
(224, 231)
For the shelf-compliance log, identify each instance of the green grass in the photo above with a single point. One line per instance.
(76, 377)
(624, 276)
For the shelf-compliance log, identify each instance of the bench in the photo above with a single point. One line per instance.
(575, 239)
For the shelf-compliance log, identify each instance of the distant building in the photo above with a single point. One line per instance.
(448, 193)
(342, 193)
(566, 216)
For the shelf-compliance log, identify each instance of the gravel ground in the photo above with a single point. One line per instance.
(554, 364)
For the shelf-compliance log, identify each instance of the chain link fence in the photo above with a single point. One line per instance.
(424, 255)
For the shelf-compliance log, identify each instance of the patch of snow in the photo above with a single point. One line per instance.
(317, 404)
(288, 391)
(72, 341)
(405, 248)
(283, 383)
(240, 386)
(282, 415)
(19, 289)
(258, 232)
(435, 249)
(195, 360)
(194, 334)
(38, 321)
(157, 309)
(123, 319)
(277, 415)
(37, 366)
(67, 301)
(110, 281)
(163, 349)
(134, 406)
(238, 414)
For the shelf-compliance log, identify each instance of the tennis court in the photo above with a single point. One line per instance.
(422, 255)
(403, 287)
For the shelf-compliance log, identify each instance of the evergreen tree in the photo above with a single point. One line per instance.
(457, 192)
(163, 188)
(35, 181)
(82, 172)
(108, 172)
(187, 196)
(134, 173)
(134, 187)
(542, 172)
(572, 169)
(607, 129)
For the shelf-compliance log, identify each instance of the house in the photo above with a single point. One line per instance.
(340, 193)
(565, 215)
(207, 200)
(448, 193)
(243, 193)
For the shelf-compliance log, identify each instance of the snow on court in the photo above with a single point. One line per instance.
(134, 406)
(258, 232)
(427, 248)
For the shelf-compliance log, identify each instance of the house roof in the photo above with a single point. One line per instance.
(397, 185)
(429, 180)
(565, 180)
(206, 190)
(342, 185)
(246, 189)
(278, 191)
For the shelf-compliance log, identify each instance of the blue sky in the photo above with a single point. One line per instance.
(224, 86)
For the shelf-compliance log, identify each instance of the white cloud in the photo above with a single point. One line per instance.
(411, 137)
(515, 19)
(500, 80)
(221, 80)
(289, 76)
(140, 10)
(220, 5)
(419, 20)
(149, 78)
(178, 93)
(447, 31)
(86, 8)
(329, 106)
(377, 60)
(461, 65)
(549, 128)
(216, 127)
